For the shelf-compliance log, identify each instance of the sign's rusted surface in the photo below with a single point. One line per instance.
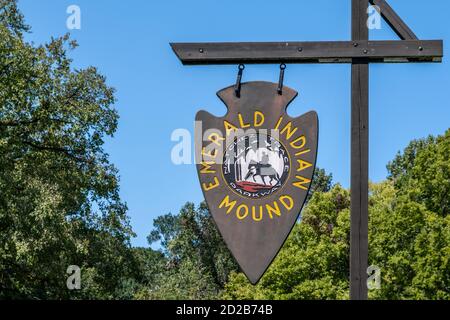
(256, 166)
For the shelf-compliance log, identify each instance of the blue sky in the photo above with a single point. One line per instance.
(129, 42)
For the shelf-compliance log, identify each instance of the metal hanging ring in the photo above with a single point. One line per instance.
(237, 87)
(281, 79)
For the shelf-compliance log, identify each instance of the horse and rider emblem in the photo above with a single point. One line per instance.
(256, 165)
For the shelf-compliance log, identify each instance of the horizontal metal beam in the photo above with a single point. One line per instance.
(309, 52)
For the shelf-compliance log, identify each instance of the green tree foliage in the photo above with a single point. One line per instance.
(59, 199)
(422, 173)
(198, 262)
(409, 236)
(12, 18)
(148, 266)
(421, 179)
(322, 182)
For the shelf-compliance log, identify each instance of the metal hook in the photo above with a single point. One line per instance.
(237, 87)
(281, 80)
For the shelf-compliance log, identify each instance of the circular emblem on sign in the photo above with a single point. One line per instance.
(256, 165)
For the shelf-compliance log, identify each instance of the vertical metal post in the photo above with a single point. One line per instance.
(359, 157)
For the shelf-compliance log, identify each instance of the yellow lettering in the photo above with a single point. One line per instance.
(229, 205)
(275, 209)
(209, 154)
(290, 131)
(258, 119)
(301, 183)
(285, 199)
(206, 167)
(238, 212)
(301, 139)
(302, 165)
(241, 122)
(211, 186)
(302, 152)
(215, 138)
(229, 127)
(260, 213)
(278, 123)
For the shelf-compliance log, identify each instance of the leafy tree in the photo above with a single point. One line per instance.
(404, 162)
(423, 173)
(198, 262)
(12, 18)
(59, 199)
(188, 280)
(421, 180)
(149, 266)
(322, 182)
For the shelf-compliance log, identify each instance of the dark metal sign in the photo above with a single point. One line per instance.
(256, 166)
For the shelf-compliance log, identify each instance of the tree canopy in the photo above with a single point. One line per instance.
(59, 200)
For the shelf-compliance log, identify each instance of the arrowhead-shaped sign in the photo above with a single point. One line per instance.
(256, 166)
